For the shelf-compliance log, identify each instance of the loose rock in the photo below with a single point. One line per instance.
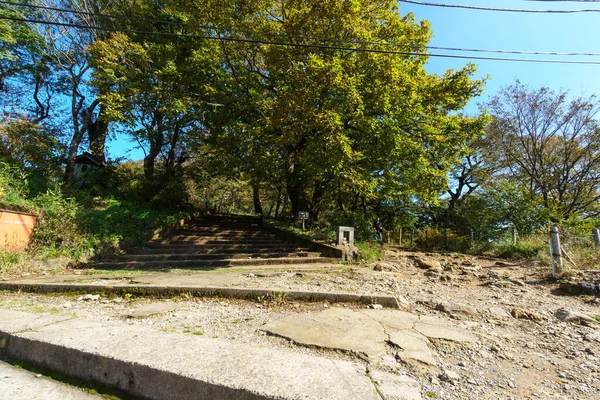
(456, 308)
(571, 316)
(524, 314)
(430, 264)
(89, 297)
(449, 376)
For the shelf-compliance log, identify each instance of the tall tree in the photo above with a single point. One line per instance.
(550, 145)
(328, 117)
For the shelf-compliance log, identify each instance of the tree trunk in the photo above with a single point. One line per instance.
(256, 197)
(340, 201)
(297, 197)
(278, 204)
(156, 138)
(72, 155)
(97, 133)
(172, 153)
(317, 196)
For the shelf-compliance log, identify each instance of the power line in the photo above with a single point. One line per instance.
(80, 12)
(301, 45)
(516, 10)
(333, 40)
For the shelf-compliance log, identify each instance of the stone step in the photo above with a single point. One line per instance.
(213, 256)
(217, 231)
(151, 364)
(214, 241)
(229, 236)
(225, 225)
(219, 245)
(208, 264)
(219, 250)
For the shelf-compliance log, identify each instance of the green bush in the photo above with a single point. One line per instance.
(57, 223)
(369, 252)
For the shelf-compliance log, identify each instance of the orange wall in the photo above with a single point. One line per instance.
(15, 229)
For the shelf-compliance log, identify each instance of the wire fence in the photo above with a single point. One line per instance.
(576, 250)
(446, 239)
(580, 251)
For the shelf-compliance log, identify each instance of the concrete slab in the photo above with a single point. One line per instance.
(437, 328)
(396, 386)
(366, 331)
(149, 310)
(415, 347)
(336, 328)
(220, 284)
(159, 365)
(19, 384)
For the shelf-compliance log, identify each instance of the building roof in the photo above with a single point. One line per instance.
(89, 159)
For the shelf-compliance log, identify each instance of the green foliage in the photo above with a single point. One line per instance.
(522, 250)
(10, 262)
(57, 224)
(363, 227)
(74, 223)
(369, 251)
(13, 185)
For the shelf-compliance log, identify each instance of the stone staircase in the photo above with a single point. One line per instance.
(215, 242)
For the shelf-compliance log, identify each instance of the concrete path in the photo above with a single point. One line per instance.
(367, 332)
(159, 365)
(222, 283)
(18, 384)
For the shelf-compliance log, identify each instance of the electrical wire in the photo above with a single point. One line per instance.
(333, 40)
(516, 10)
(301, 45)
(567, 1)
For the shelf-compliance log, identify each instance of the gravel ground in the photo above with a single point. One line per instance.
(525, 351)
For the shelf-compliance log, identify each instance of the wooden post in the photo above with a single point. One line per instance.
(400, 238)
(514, 234)
(597, 237)
(426, 238)
(412, 237)
(387, 234)
(472, 239)
(556, 250)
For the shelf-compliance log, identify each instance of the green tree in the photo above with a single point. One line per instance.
(550, 145)
(347, 121)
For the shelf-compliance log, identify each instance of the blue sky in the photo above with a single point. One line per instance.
(499, 31)
(517, 31)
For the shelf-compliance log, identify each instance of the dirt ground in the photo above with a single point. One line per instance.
(525, 351)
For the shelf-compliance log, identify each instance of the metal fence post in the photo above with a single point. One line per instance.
(597, 237)
(556, 250)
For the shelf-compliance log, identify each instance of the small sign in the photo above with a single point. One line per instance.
(302, 214)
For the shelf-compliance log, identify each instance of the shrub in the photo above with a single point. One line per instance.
(369, 251)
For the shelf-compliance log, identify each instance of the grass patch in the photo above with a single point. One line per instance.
(369, 252)
(12, 263)
(518, 251)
